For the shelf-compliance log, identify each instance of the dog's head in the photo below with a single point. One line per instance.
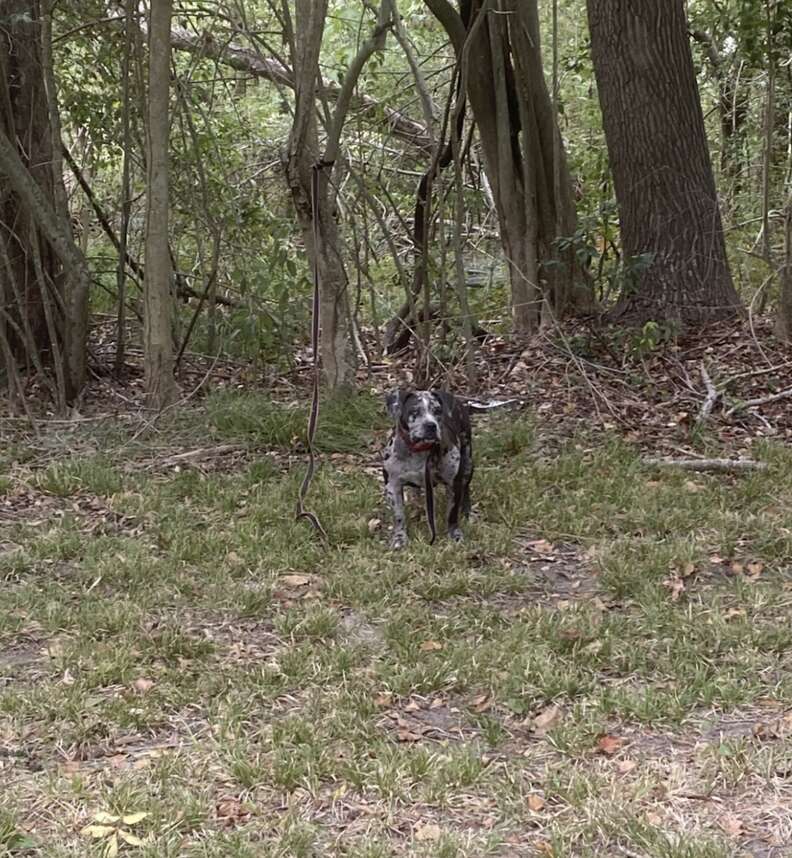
(417, 415)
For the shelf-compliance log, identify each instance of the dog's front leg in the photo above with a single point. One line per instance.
(394, 492)
(454, 508)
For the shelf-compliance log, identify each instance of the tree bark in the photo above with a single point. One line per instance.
(498, 44)
(24, 122)
(44, 279)
(783, 324)
(317, 223)
(662, 173)
(158, 345)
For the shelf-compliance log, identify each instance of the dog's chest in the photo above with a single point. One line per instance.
(410, 468)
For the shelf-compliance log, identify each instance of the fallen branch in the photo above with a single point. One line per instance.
(764, 400)
(718, 466)
(713, 395)
(201, 454)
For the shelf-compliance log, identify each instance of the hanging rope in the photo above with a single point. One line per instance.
(313, 419)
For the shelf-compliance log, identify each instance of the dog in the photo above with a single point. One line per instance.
(431, 443)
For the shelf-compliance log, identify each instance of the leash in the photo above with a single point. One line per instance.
(429, 495)
(313, 419)
(428, 482)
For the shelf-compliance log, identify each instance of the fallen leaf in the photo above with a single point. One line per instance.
(625, 766)
(431, 646)
(653, 819)
(608, 744)
(230, 811)
(130, 838)
(428, 831)
(754, 570)
(535, 803)
(374, 524)
(548, 718)
(143, 685)
(385, 698)
(295, 580)
(731, 824)
(404, 735)
(481, 703)
(541, 546)
(675, 585)
(134, 818)
(687, 570)
(111, 850)
(97, 831)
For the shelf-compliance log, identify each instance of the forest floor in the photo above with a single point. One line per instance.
(602, 668)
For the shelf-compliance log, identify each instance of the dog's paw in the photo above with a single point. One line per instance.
(455, 534)
(398, 541)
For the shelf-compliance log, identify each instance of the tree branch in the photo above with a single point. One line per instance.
(251, 62)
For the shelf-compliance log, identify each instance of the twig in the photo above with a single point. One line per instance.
(201, 453)
(718, 466)
(764, 400)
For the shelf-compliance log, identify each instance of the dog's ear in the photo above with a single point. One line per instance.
(394, 400)
(438, 400)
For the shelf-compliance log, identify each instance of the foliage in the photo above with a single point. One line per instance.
(229, 130)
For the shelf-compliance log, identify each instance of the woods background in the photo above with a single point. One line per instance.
(156, 169)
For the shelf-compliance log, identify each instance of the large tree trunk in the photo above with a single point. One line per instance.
(661, 167)
(501, 61)
(158, 320)
(44, 278)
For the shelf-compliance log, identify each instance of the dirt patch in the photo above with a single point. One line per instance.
(428, 718)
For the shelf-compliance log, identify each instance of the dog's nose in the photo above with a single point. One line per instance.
(430, 430)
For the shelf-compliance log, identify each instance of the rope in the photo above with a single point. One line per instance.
(313, 419)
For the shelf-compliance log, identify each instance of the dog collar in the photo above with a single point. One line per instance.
(415, 447)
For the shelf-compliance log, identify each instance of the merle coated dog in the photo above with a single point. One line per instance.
(431, 443)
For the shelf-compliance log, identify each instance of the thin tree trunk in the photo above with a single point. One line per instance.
(130, 22)
(77, 280)
(663, 178)
(317, 223)
(783, 326)
(158, 320)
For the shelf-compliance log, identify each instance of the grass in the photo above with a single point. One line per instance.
(173, 642)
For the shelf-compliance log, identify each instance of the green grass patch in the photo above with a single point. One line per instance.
(175, 643)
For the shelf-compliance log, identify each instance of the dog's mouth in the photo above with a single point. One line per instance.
(419, 445)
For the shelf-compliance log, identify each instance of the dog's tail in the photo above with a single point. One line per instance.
(476, 406)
